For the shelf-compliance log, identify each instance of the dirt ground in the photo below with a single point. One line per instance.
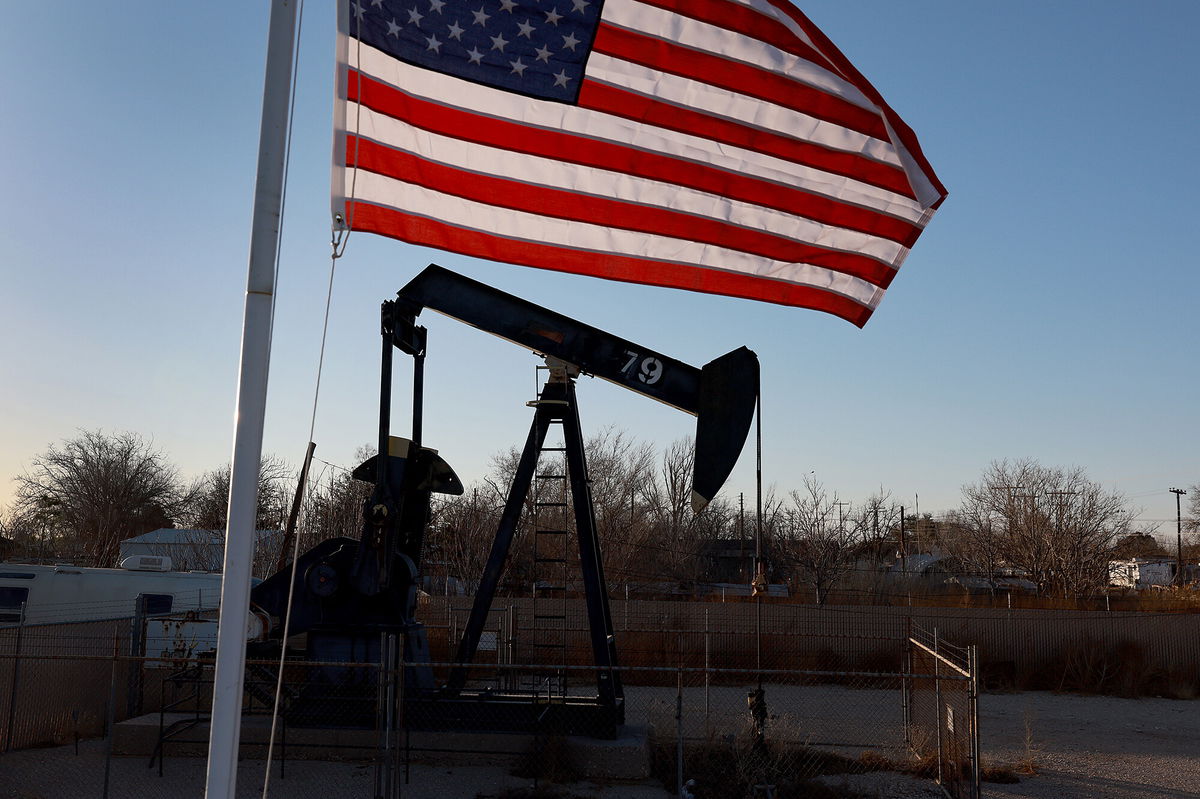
(1078, 748)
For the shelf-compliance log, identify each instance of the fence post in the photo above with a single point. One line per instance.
(12, 694)
(706, 669)
(973, 665)
(679, 732)
(939, 718)
(906, 666)
(110, 716)
(137, 649)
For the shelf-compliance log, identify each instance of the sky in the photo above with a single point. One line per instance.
(1046, 312)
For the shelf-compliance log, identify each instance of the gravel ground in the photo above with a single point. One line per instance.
(1093, 746)
(1079, 748)
(59, 773)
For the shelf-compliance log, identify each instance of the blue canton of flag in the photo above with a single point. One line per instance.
(533, 47)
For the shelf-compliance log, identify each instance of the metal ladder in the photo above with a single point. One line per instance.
(552, 537)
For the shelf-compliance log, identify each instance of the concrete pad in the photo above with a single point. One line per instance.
(625, 758)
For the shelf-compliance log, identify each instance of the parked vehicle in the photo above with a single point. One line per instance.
(1139, 573)
(48, 594)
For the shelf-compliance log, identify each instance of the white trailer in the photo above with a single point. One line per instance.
(49, 594)
(1140, 573)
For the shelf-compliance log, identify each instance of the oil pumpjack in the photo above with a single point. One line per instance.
(352, 597)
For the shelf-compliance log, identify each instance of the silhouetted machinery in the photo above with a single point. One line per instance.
(352, 596)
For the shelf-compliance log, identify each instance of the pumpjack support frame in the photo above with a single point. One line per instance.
(557, 403)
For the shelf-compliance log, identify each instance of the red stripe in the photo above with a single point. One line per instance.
(627, 104)
(432, 233)
(746, 21)
(907, 136)
(607, 212)
(508, 135)
(676, 59)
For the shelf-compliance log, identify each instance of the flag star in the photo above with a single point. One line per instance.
(508, 5)
(498, 42)
(580, 6)
(553, 16)
(436, 5)
(569, 42)
(561, 78)
(415, 16)
(456, 32)
(433, 44)
(543, 54)
(358, 12)
(474, 56)
(377, 3)
(526, 29)
(393, 28)
(481, 16)
(517, 67)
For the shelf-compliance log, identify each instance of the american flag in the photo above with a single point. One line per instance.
(723, 146)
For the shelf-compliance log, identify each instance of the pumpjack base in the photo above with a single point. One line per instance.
(521, 713)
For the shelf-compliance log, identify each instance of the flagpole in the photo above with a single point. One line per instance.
(225, 728)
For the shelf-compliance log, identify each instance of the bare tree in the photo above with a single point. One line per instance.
(820, 537)
(621, 470)
(1191, 522)
(1055, 524)
(678, 531)
(94, 490)
(208, 507)
(460, 534)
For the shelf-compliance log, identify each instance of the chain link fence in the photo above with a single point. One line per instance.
(749, 704)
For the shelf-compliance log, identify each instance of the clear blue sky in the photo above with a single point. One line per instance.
(1048, 311)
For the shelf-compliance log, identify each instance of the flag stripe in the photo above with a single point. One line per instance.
(612, 213)
(559, 174)
(434, 233)
(461, 212)
(743, 20)
(799, 24)
(689, 31)
(630, 105)
(555, 144)
(670, 58)
(753, 113)
(591, 126)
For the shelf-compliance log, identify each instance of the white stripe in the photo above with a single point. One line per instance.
(380, 190)
(487, 101)
(557, 174)
(751, 111)
(769, 10)
(735, 46)
(923, 187)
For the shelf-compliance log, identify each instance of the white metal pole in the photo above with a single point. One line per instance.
(225, 732)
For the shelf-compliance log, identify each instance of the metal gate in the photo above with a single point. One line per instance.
(941, 704)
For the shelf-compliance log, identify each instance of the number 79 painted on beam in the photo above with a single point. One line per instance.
(649, 371)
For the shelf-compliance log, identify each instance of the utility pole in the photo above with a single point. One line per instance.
(742, 534)
(1178, 492)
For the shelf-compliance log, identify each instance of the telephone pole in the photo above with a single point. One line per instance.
(1178, 492)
